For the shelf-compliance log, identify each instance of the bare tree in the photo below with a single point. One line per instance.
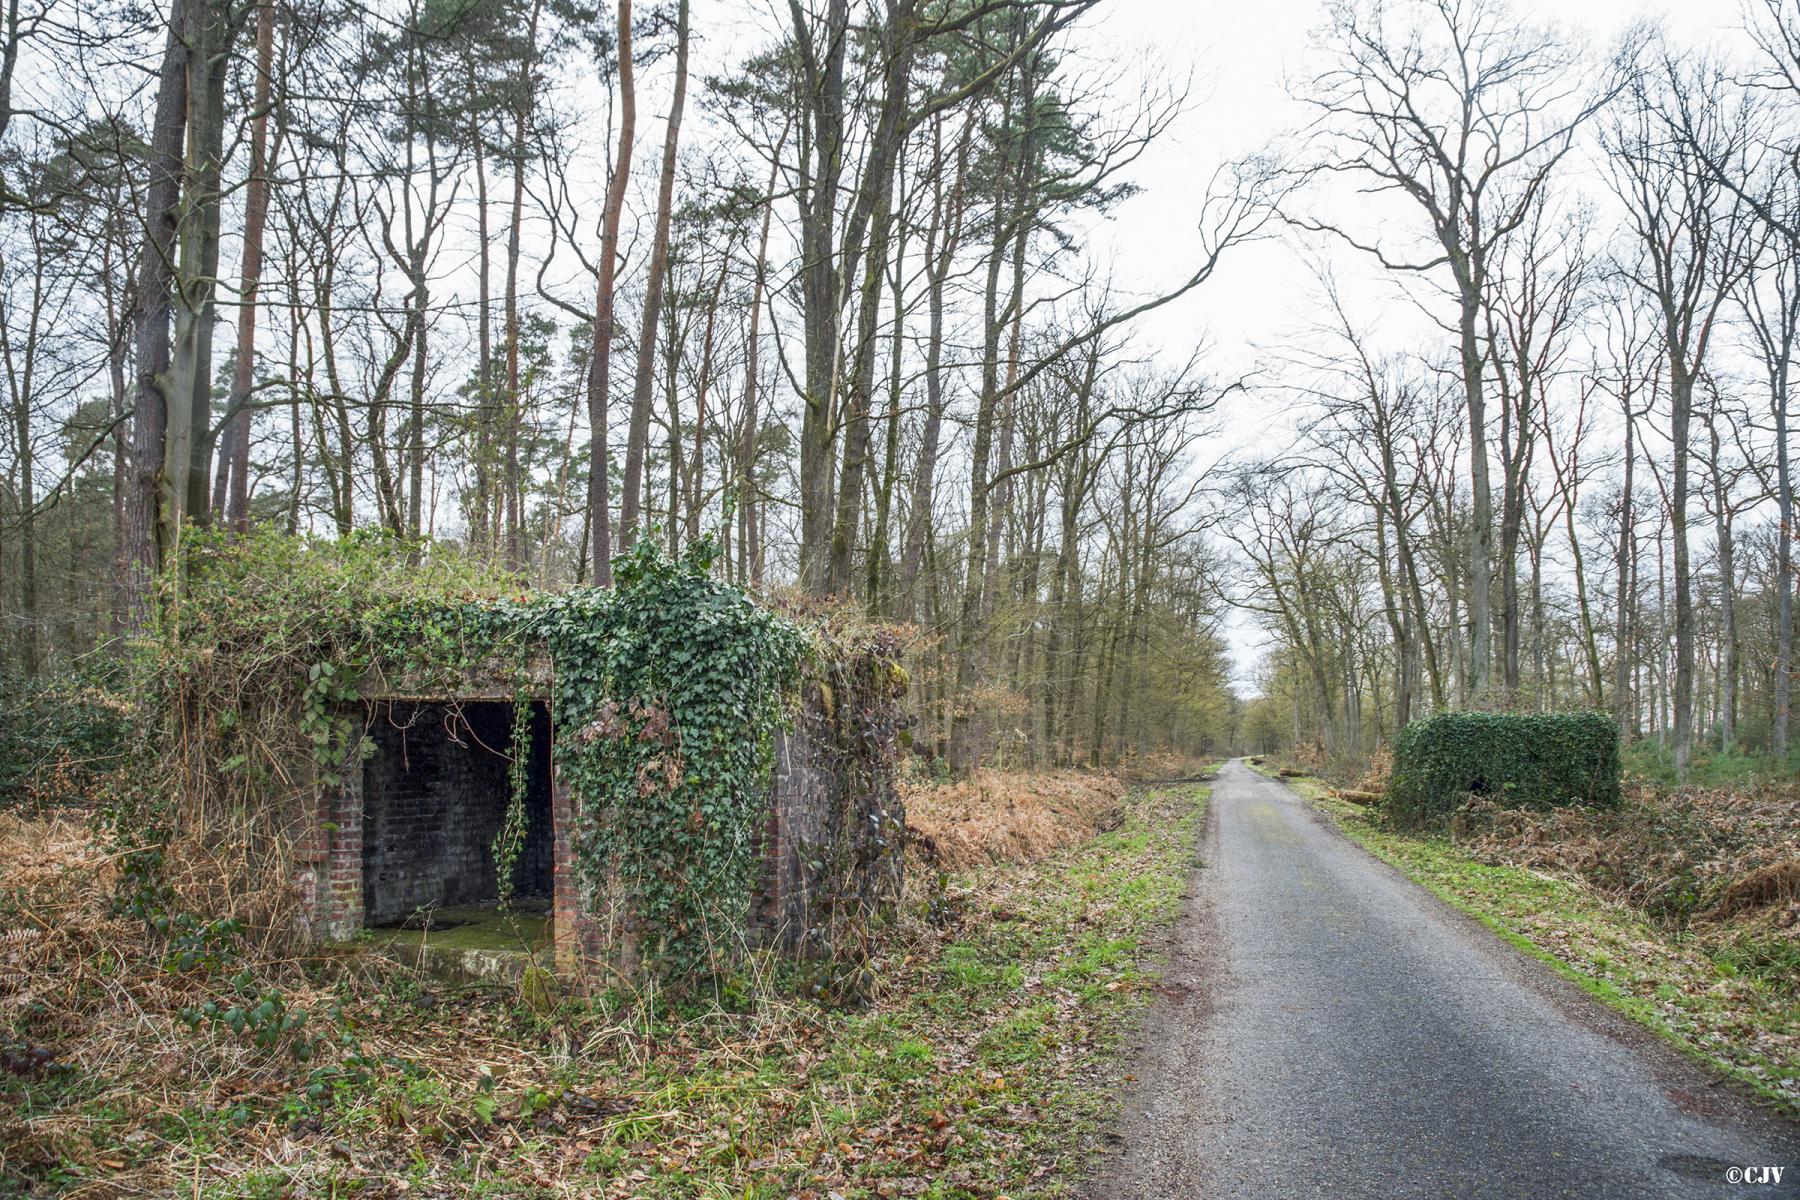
(638, 437)
(1461, 112)
(1691, 237)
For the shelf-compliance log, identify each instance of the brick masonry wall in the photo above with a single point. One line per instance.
(832, 838)
(801, 794)
(435, 794)
(331, 873)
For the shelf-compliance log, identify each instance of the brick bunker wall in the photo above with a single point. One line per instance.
(434, 796)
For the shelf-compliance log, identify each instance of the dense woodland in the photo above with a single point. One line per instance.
(517, 280)
(513, 278)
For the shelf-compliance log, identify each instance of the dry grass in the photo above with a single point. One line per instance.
(1009, 818)
(51, 871)
(84, 992)
(1695, 856)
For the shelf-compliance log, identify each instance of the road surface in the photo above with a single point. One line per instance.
(1327, 1028)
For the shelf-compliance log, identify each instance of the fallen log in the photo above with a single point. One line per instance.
(1293, 773)
(1366, 799)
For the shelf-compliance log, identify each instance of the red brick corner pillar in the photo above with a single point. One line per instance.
(572, 928)
(331, 854)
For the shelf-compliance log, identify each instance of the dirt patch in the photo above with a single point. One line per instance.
(993, 817)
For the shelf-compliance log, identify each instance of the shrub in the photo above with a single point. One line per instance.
(1517, 760)
(60, 734)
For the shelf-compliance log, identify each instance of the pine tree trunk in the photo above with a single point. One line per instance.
(600, 361)
(152, 318)
(638, 438)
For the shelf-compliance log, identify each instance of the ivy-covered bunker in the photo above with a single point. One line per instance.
(667, 772)
(409, 826)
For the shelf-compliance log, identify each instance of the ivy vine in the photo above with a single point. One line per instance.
(509, 843)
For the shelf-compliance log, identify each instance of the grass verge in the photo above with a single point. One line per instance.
(1743, 1024)
(984, 1066)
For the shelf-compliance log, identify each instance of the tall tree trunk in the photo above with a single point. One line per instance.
(875, 212)
(638, 439)
(696, 467)
(152, 316)
(21, 372)
(121, 480)
(1481, 537)
(187, 454)
(1728, 640)
(941, 240)
(822, 160)
(1775, 329)
(1625, 567)
(1515, 460)
(513, 484)
(600, 362)
(880, 565)
(1012, 198)
(671, 349)
(1681, 409)
(749, 497)
(231, 490)
(480, 516)
(1784, 566)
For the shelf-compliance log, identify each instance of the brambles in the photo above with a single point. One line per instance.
(263, 1017)
(60, 735)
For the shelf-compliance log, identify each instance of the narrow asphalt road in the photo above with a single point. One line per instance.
(1329, 1029)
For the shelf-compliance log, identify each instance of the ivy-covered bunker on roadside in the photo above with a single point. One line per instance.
(668, 771)
(1514, 759)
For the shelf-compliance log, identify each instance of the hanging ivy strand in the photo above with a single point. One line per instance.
(669, 691)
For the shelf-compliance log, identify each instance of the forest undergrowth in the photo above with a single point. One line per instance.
(981, 1063)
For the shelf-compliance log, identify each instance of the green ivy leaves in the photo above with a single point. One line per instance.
(1520, 760)
(669, 691)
